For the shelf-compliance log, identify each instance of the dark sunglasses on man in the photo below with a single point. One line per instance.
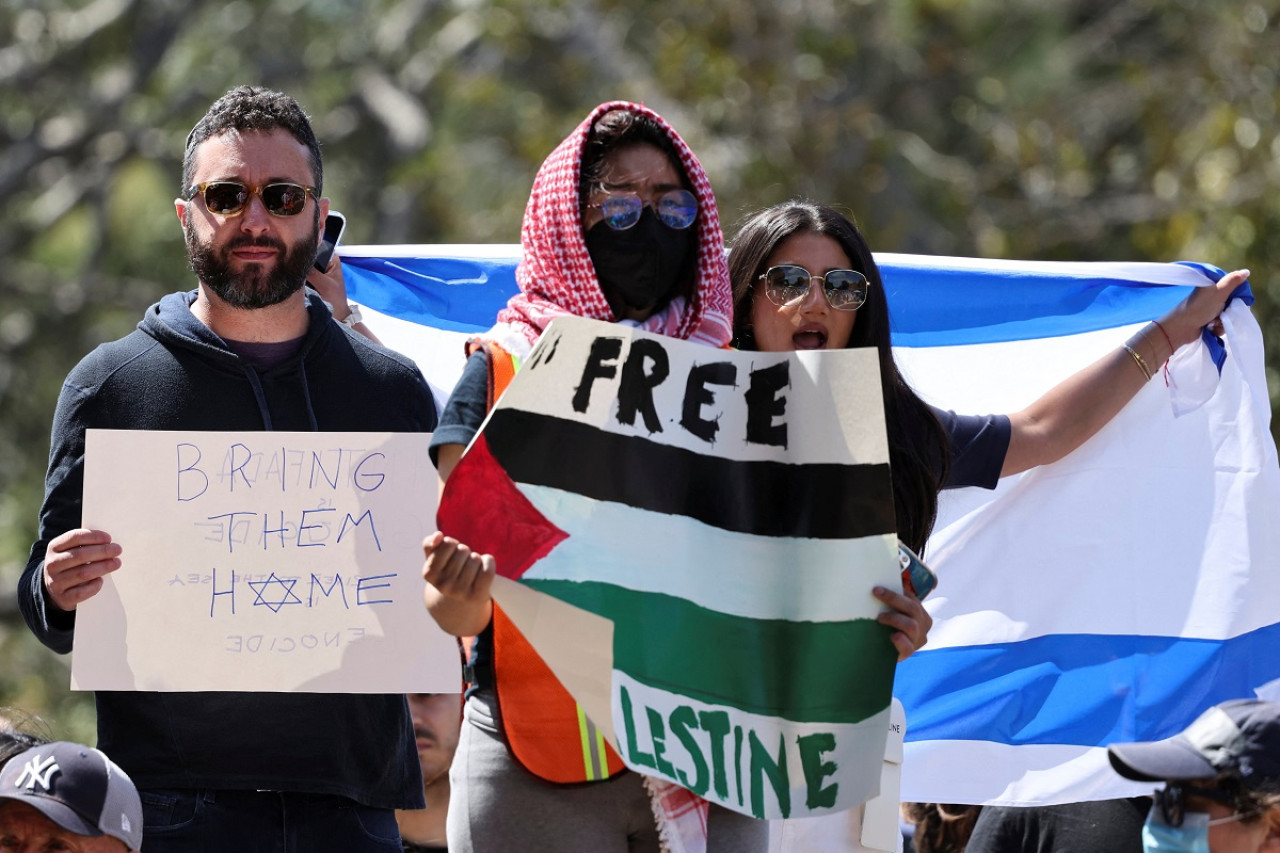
(228, 198)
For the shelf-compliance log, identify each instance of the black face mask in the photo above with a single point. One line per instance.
(643, 267)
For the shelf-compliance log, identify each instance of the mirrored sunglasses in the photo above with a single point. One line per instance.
(846, 290)
(1172, 801)
(230, 197)
(676, 208)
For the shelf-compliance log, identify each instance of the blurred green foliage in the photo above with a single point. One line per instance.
(1083, 130)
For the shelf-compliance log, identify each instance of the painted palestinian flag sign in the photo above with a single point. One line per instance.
(689, 537)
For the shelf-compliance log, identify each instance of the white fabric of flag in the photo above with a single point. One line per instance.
(1111, 596)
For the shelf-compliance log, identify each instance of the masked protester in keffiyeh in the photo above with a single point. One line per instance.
(621, 226)
(669, 280)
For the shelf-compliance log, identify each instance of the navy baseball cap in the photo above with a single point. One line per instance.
(1240, 738)
(78, 788)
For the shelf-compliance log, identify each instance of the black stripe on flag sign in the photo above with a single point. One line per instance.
(764, 498)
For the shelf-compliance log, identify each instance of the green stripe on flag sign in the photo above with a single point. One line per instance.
(839, 672)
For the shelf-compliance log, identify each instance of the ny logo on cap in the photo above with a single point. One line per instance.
(38, 772)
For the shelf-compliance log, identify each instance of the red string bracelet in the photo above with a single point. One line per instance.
(1167, 339)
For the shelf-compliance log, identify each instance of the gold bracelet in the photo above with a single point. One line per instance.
(1137, 359)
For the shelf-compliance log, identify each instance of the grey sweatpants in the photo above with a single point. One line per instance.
(495, 805)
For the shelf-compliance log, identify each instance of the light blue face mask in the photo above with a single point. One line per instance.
(1191, 837)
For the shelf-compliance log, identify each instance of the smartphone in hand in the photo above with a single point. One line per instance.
(334, 225)
(916, 576)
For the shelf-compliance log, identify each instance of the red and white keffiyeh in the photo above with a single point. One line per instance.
(555, 273)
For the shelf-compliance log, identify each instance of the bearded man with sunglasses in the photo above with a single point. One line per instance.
(1222, 781)
(248, 349)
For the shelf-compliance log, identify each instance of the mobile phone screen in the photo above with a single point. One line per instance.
(334, 225)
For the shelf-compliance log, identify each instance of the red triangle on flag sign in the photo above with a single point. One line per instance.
(482, 508)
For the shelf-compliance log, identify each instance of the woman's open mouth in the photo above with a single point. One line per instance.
(810, 339)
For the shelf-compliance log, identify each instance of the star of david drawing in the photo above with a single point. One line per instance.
(38, 772)
(284, 592)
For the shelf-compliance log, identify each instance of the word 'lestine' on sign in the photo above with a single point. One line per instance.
(647, 366)
(718, 758)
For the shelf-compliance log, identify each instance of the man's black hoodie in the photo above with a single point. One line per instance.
(174, 373)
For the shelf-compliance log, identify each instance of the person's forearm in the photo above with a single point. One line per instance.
(1071, 412)
(458, 617)
(51, 626)
(366, 331)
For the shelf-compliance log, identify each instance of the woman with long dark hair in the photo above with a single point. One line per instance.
(804, 278)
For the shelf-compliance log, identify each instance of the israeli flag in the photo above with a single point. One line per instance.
(1111, 596)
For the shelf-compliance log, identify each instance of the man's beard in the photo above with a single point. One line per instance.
(259, 285)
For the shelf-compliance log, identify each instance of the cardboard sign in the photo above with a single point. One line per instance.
(262, 561)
